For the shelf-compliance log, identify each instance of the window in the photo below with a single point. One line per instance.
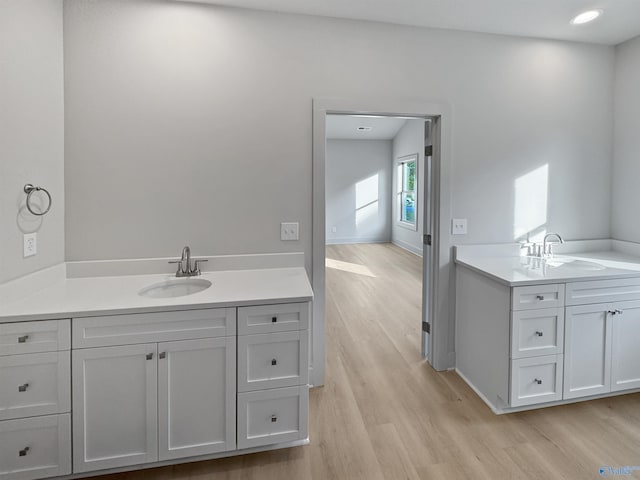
(407, 192)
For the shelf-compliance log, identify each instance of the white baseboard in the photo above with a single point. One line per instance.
(408, 247)
(355, 240)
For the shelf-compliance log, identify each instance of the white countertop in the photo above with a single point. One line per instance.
(518, 271)
(82, 297)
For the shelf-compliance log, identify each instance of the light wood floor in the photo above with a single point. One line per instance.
(385, 414)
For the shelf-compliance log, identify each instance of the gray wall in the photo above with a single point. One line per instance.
(409, 140)
(626, 166)
(31, 131)
(358, 195)
(188, 123)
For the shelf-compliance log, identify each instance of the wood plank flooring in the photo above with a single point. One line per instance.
(385, 414)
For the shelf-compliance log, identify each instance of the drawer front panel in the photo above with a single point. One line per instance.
(603, 291)
(536, 333)
(273, 318)
(537, 296)
(536, 380)
(272, 416)
(35, 384)
(153, 327)
(35, 447)
(34, 337)
(273, 360)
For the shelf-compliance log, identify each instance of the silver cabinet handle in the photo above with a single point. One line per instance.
(274, 361)
(23, 339)
(539, 382)
(162, 355)
(615, 312)
(274, 418)
(24, 451)
(618, 312)
(539, 333)
(149, 356)
(540, 297)
(23, 388)
(274, 319)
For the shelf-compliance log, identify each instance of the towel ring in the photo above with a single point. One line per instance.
(29, 189)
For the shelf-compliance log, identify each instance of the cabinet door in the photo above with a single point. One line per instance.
(625, 352)
(587, 351)
(114, 407)
(196, 397)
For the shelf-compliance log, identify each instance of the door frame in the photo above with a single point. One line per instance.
(441, 341)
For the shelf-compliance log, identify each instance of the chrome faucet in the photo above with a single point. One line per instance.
(184, 264)
(547, 247)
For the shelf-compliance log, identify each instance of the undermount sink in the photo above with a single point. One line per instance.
(178, 287)
(573, 263)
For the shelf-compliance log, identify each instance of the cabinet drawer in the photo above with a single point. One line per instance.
(272, 416)
(273, 360)
(34, 337)
(603, 291)
(35, 384)
(536, 380)
(35, 447)
(537, 296)
(537, 332)
(273, 318)
(153, 327)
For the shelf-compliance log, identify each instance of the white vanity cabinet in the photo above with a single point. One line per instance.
(542, 344)
(142, 403)
(35, 391)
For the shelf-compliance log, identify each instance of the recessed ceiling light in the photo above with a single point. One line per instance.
(364, 129)
(586, 17)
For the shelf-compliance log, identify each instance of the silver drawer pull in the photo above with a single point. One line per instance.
(274, 362)
(24, 451)
(162, 355)
(23, 388)
(274, 418)
(23, 339)
(149, 356)
(539, 382)
(540, 334)
(540, 297)
(274, 319)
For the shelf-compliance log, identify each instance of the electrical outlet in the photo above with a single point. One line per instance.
(334, 229)
(30, 244)
(289, 231)
(459, 226)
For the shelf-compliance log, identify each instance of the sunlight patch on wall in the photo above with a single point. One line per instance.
(531, 203)
(367, 196)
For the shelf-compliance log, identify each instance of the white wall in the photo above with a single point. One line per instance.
(358, 191)
(31, 131)
(409, 140)
(190, 123)
(626, 166)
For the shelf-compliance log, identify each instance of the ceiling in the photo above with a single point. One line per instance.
(529, 18)
(344, 127)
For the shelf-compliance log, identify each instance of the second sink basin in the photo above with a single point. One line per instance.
(178, 287)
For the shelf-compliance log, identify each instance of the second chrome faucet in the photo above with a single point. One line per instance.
(185, 269)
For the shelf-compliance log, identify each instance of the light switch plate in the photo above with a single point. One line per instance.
(30, 244)
(459, 226)
(289, 231)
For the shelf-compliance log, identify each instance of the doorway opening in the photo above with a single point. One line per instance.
(379, 202)
(377, 209)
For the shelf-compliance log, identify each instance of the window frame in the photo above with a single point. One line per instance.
(400, 162)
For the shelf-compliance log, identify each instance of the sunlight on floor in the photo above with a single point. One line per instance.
(349, 267)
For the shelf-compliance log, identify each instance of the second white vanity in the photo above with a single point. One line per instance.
(533, 332)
